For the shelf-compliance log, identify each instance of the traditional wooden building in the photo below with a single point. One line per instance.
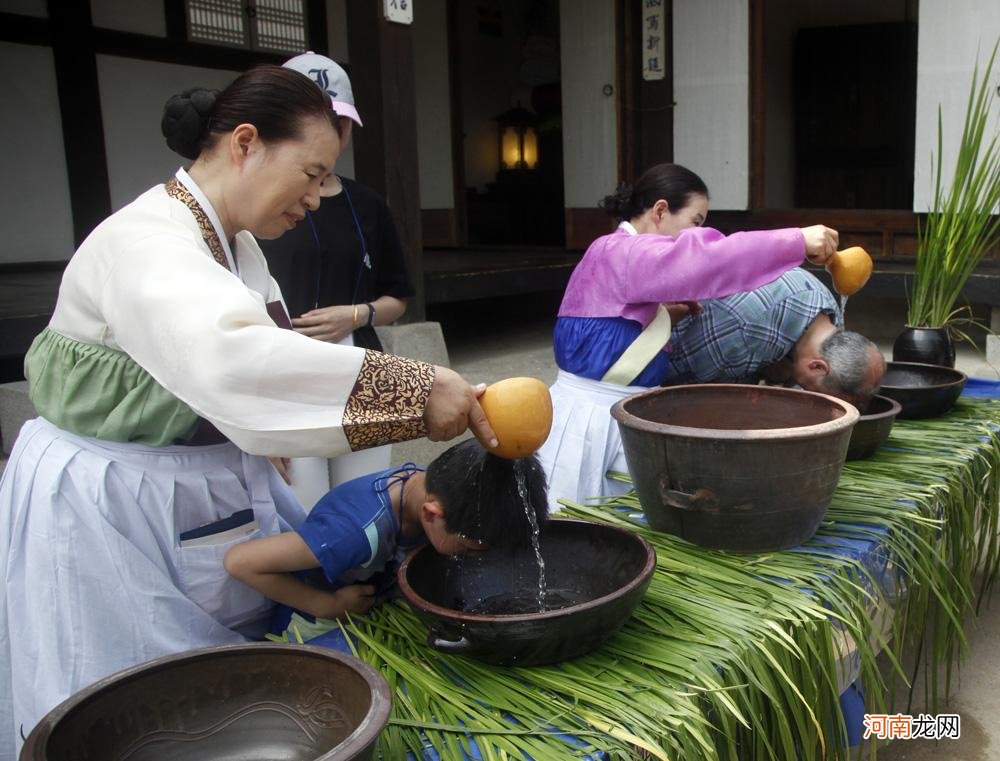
(493, 127)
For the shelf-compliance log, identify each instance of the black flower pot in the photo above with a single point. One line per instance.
(930, 346)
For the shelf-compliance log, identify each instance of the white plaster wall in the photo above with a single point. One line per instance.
(37, 8)
(138, 16)
(711, 58)
(950, 32)
(35, 219)
(430, 53)
(132, 97)
(784, 18)
(589, 122)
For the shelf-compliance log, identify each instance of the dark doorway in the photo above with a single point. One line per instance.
(508, 67)
(855, 109)
(834, 98)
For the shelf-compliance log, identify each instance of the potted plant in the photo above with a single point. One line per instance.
(958, 232)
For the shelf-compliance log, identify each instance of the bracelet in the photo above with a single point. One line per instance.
(354, 322)
(371, 314)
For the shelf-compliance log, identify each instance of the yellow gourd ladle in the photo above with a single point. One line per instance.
(520, 413)
(850, 270)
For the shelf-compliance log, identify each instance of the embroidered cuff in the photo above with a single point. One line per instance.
(388, 400)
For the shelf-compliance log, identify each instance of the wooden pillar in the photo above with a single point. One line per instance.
(758, 102)
(646, 108)
(80, 107)
(385, 149)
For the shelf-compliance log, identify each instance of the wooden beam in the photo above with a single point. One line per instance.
(80, 106)
(457, 129)
(758, 102)
(654, 99)
(583, 225)
(626, 54)
(176, 19)
(385, 150)
(26, 30)
(146, 47)
(316, 26)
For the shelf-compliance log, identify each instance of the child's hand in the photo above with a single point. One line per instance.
(356, 598)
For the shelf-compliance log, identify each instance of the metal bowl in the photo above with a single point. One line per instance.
(735, 467)
(873, 427)
(922, 390)
(253, 702)
(485, 605)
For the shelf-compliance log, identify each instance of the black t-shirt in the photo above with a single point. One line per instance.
(333, 271)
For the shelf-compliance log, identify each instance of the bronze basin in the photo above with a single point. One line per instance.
(923, 391)
(873, 427)
(253, 702)
(472, 605)
(735, 467)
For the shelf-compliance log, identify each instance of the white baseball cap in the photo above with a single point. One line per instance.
(331, 78)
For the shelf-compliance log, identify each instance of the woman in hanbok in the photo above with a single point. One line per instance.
(163, 382)
(611, 336)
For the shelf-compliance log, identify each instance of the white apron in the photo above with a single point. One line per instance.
(584, 442)
(313, 477)
(95, 577)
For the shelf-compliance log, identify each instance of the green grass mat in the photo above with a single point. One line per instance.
(728, 656)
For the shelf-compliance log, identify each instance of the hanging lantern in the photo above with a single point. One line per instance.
(517, 140)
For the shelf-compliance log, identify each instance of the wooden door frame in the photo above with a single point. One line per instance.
(758, 104)
(460, 223)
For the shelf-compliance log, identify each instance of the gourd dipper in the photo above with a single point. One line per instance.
(520, 413)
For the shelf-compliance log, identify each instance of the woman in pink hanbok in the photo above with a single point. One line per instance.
(611, 336)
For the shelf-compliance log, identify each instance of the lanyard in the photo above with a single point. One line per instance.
(365, 258)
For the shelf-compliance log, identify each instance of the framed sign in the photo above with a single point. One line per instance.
(399, 11)
(653, 45)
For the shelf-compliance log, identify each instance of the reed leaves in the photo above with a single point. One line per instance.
(962, 223)
(733, 657)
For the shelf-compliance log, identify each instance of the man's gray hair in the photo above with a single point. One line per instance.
(847, 353)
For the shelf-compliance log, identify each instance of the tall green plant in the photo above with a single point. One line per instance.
(962, 224)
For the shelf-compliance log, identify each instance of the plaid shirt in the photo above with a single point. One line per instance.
(736, 336)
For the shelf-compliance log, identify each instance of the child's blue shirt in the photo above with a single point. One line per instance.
(354, 534)
(353, 531)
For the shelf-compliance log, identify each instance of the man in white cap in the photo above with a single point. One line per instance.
(341, 273)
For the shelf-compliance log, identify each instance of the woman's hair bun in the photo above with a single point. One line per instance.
(621, 203)
(185, 120)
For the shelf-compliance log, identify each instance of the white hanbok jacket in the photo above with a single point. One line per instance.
(159, 323)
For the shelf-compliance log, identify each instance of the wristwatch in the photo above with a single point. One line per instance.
(371, 314)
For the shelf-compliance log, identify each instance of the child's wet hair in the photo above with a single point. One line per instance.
(480, 498)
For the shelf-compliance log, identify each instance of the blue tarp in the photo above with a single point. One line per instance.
(982, 387)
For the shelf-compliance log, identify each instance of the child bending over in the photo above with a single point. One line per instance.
(467, 501)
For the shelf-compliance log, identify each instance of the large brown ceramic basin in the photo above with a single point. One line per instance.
(254, 702)
(482, 606)
(735, 467)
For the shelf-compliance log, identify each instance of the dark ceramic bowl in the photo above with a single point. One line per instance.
(922, 390)
(735, 467)
(872, 428)
(254, 702)
(475, 605)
